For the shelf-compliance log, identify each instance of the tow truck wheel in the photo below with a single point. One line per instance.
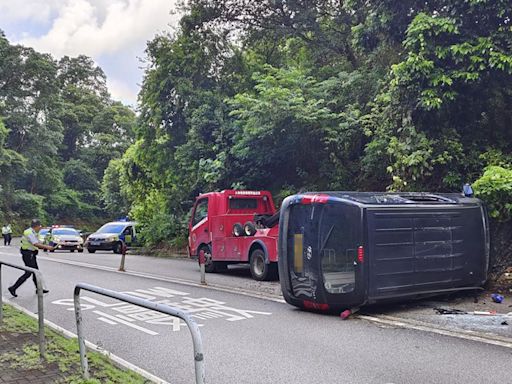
(238, 230)
(259, 269)
(249, 229)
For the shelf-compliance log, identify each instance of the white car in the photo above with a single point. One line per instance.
(66, 239)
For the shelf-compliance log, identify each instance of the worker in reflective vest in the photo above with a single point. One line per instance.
(7, 234)
(29, 246)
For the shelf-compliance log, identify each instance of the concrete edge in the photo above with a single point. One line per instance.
(427, 327)
(70, 335)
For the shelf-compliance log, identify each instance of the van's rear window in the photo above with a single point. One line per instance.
(243, 203)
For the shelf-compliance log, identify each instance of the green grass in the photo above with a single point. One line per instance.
(61, 351)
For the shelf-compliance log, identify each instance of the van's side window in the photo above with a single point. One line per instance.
(201, 211)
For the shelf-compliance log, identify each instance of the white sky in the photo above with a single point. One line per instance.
(113, 32)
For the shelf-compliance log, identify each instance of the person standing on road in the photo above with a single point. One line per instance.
(7, 234)
(29, 245)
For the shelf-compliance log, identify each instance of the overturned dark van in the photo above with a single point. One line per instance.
(340, 250)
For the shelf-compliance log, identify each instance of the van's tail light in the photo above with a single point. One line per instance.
(360, 254)
(311, 199)
(308, 304)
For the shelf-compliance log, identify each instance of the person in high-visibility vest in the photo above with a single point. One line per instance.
(29, 246)
(7, 234)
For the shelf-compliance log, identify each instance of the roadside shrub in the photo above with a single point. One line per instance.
(159, 224)
(67, 203)
(495, 188)
(28, 205)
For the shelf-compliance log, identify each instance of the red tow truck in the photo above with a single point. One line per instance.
(235, 226)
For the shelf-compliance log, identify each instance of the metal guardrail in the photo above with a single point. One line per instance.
(192, 326)
(40, 312)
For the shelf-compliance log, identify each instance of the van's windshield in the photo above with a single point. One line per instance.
(320, 241)
(337, 250)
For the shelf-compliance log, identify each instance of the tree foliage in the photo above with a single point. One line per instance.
(290, 94)
(59, 129)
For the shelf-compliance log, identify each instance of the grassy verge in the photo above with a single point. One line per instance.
(61, 351)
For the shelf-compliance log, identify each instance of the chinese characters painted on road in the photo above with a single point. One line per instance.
(119, 313)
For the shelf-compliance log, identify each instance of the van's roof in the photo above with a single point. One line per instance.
(398, 198)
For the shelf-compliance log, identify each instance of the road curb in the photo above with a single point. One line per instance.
(428, 327)
(91, 346)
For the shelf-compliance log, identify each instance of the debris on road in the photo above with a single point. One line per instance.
(449, 311)
(484, 313)
(497, 298)
(347, 312)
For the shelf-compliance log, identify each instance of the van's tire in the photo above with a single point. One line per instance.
(249, 229)
(209, 265)
(260, 270)
(80, 250)
(238, 230)
(91, 250)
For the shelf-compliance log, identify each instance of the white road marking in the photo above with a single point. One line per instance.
(128, 323)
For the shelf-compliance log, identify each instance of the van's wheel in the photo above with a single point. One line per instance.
(91, 250)
(209, 265)
(259, 269)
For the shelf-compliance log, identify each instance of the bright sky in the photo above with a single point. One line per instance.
(113, 32)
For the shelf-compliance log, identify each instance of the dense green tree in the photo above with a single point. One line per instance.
(293, 94)
(58, 131)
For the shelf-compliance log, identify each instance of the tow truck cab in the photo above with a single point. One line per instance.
(231, 227)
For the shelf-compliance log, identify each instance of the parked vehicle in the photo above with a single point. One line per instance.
(63, 238)
(42, 234)
(111, 236)
(340, 250)
(232, 227)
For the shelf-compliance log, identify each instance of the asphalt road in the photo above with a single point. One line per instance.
(247, 339)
